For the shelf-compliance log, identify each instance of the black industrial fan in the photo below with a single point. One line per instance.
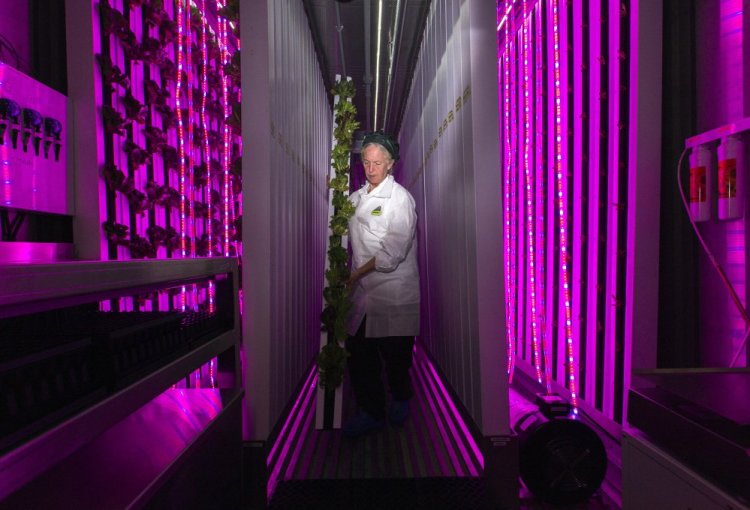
(561, 460)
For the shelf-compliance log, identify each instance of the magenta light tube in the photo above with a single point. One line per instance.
(7, 183)
(212, 373)
(613, 96)
(273, 478)
(227, 132)
(518, 271)
(504, 64)
(181, 140)
(303, 465)
(426, 403)
(422, 375)
(517, 206)
(459, 440)
(431, 432)
(577, 113)
(530, 226)
(294, 419)
(562, 206)
(454, 411)
(180, 124)
(309, 412)
(211, 294)
(463, 432)
(537, 198)
(596, 91)
(541, 191)
(204, 123)
(293, 412)
(190, 192)
(517, 193)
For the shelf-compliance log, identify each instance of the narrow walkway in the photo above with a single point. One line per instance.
(430, 462)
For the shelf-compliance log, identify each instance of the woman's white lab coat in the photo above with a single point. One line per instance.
(384, 227)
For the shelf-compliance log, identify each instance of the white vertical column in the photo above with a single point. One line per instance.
(610, 295)
(592, 299)
(256, 229)
(488, 213)
(643, 187)
(86, 150)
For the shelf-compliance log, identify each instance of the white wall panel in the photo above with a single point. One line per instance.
(288, 130)
(450, 165)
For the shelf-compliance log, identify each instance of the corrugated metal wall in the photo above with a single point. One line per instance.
(300, 145)
(285, 166)
(450, 165)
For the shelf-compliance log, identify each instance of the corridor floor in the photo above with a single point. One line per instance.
(431, 462)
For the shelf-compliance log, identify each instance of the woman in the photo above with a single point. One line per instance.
(385, 289)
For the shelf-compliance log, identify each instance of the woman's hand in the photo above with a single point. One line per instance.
(354, 276)
(358, 273)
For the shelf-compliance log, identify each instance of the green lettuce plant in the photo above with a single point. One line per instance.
(332, 357)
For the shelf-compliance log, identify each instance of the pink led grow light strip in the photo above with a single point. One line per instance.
(518, 278)
(212, 372)
(540, 201)
(510, 304)
(289, 431)
(181, 142)
(294, 457)
(518, 117)
(530, 227)
(7, 183)
(227, 131)
(308, 386)
(205, 124)
(189, 140)
(445, 435)
(180, 123)
(207, 150)
(562, 207)
(462, 433)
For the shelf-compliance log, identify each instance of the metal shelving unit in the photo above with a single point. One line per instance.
(82, 449)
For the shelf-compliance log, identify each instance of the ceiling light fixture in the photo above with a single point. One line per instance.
(391, 62)
(340, 30)
(377, 62)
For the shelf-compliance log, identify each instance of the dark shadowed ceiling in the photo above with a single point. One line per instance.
(380, 61)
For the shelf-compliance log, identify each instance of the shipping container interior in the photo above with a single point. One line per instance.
(174, 252)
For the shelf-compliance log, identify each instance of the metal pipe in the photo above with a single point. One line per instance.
(395, 43)
(340, 30)
(368, 71)
(377, 62)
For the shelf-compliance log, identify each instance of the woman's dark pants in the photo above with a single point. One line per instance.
(366, 360)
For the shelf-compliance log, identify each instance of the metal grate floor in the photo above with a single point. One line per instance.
(380, 494)
(429, 462)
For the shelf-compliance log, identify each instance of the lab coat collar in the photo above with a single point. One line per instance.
(383, 190)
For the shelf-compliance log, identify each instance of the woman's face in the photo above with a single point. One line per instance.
(377, 163)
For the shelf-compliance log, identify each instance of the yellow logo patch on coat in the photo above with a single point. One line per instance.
(377, 211)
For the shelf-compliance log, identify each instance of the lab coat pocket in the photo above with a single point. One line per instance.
(377, 225)
(371, 215)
